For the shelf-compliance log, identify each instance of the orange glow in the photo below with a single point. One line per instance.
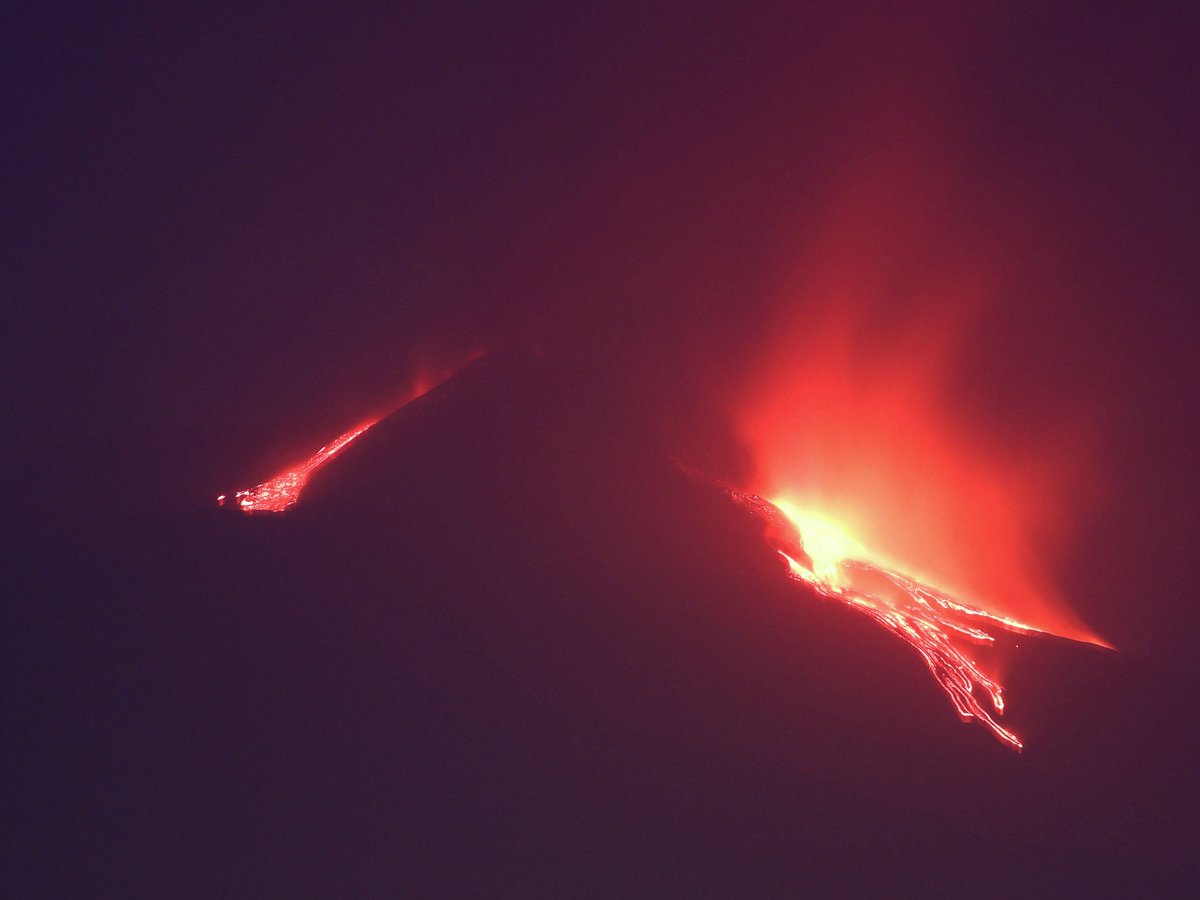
(878, 492)
(868, 402)
(885, 470)
(850, 443)
(825, 541)
(821, 554)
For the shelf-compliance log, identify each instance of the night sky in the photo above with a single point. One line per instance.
(236, 232)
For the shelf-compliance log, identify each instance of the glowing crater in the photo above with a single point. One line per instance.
(821, 553)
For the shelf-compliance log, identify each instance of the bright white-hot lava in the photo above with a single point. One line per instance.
(825, 541)
(940, 627)
(890, 492)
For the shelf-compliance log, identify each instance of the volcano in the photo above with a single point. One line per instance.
(502, 644)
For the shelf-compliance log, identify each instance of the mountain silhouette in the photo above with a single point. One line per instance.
(502, 645)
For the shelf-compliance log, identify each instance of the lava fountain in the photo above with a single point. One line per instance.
(903, 452)
(878, 497)
(880, 493)
(823, 553)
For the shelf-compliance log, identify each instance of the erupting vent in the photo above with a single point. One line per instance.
(821, 554)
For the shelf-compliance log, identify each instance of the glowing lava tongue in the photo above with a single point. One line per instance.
(284, 489)
(821, 554)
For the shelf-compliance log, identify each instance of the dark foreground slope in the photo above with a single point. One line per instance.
(504, 647)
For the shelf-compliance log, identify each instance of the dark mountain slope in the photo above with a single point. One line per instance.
(503, 646)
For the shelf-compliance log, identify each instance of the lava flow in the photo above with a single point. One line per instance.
(881, 498)
(283, 491)
(821, 554)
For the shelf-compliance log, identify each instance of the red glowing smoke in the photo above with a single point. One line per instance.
(880, 478)
(860, 409)
(864, 438)
(876, 492)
